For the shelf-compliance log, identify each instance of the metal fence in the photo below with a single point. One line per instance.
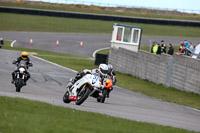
(98, 16)
(90, 3)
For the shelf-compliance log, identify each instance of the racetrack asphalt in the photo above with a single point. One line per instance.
(48, 84)
(70, 42)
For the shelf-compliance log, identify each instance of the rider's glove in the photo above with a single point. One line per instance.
(14, 62)
(30, 64)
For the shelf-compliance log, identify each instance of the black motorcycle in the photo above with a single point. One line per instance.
(21, 75)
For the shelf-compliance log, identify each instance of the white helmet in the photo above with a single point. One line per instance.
(110, 67)
(103, 69)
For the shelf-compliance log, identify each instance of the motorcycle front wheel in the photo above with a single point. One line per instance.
(19, 85)
(83, 95)
(105, 92)
(66, 97)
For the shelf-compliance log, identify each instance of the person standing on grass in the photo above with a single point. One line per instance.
(163, 47)
(159, 49)
(153, 43)
(154, 48)
(171, 49)
(181, 45)
(191, 47)
(186, 43)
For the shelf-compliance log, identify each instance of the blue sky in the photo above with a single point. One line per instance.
(170, 4)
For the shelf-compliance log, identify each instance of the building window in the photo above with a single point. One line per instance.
(119, 34)
(127, 34)
(135, 36)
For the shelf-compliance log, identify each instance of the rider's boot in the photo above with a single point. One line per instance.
(12, 82)
(13, 78)
(109, 92)
(24, 83)
(70, 83)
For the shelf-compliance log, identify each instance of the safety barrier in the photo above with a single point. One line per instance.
(178, 71)
(101, 58)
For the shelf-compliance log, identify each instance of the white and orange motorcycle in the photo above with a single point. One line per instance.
(88, 85)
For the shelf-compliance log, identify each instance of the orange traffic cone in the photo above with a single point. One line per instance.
(31, 41)
(81, 44)
(57, 43)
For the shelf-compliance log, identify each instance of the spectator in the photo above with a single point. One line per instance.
(181, 45)
(1, 42)
(159, 49)
(191, 47)
(153, 43)
(154, 48)
(163, 47)
(197, 51)
(171, 49)
(185, 51)
(186, 43)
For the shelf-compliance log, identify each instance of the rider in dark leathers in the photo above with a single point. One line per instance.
(24, 56)
(112, 74)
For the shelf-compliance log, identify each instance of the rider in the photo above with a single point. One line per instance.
(112, 74)
(24, 56)
(101, 72)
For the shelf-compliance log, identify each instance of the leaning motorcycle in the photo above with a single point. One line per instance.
(82, 88)
(20, 75)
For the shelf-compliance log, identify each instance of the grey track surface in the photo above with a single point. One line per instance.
(48, 84)
(70, 43)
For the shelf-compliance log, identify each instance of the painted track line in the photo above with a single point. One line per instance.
(54, 64)
(12, 44)
(94, 53)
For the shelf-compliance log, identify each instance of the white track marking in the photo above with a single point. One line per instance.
(12, 44)
(94, 53)
(55, 64)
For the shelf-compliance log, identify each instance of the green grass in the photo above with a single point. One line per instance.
(104, 10)
(158, 91)
(31, 23)
(123, 80)
(105, 51)
(24, 116)
(76, 64)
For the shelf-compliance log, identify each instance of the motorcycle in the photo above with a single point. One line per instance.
(80, 91)
(107, 88)
(20, 75)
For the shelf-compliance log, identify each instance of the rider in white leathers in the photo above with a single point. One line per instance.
(101, 72)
